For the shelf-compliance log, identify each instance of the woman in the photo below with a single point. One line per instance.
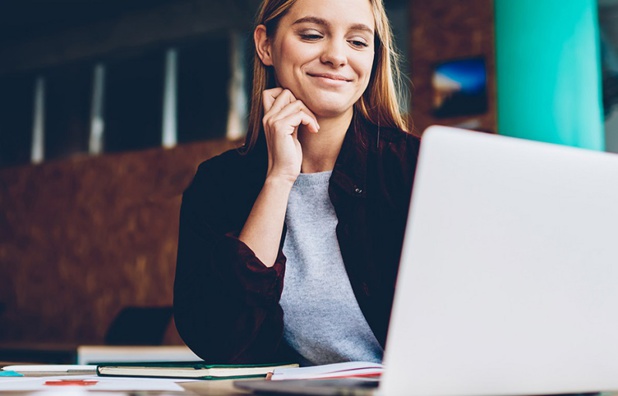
(289, 250)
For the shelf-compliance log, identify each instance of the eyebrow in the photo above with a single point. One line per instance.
(323, 22)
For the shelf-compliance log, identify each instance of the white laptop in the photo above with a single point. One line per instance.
(508, 281)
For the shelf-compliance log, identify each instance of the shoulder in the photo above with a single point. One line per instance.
(393, 153)
(227, 162)
(385, 139)
(392, 144)
(223, 190)
(398, 141)
(233, 163)
(227, 172)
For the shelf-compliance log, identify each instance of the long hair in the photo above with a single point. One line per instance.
(378, 104)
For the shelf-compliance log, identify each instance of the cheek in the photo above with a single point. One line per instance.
(364, 68)
(289, 55)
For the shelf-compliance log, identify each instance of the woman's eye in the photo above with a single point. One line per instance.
(359, 44)
(310, 36)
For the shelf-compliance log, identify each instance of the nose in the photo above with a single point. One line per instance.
(334, 53)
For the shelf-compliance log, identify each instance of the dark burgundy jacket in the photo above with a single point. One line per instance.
(226, 302)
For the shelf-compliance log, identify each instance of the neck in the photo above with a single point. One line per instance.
(320, 150)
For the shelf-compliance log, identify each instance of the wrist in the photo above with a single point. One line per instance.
(280, 181)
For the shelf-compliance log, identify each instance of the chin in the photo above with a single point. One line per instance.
(328, 109)
(329, 113)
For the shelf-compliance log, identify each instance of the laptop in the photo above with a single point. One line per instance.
(508, 281)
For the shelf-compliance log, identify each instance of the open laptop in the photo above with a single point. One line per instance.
(508, 281)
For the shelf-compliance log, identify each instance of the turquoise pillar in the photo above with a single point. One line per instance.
(548, 70)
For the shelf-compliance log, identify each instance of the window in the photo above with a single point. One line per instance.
(68, 94)
(203, 79)
(134, 102)
(16, 107)
(117, 104)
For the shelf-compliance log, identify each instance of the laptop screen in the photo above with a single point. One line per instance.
(508, 282)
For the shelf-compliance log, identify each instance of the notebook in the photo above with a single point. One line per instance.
(508, 281)
(188, 370)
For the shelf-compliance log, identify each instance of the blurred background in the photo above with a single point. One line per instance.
(111, 75)
(92, 76)
(108, 106)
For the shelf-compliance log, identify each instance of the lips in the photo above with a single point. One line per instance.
(330, 76)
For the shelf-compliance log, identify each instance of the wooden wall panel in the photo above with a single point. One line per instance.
(443, 30)
(81, 238)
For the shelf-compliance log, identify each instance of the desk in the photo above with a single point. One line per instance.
(213, 388)
(206, 388)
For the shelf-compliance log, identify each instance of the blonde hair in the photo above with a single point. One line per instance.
(378, 104)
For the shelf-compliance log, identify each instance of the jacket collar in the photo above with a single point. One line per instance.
(350, 172)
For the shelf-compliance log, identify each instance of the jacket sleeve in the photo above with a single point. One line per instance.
(226, 301)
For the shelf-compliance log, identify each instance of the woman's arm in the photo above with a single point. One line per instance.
(283, 116)
(225, 300)
(227, 288)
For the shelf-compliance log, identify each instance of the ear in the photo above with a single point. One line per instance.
(263, 45)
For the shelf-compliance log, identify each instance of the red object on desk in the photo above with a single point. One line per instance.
(70, 382)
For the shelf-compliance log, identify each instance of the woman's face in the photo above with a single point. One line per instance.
(323, 52)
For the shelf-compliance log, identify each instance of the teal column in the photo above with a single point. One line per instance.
(548, 71)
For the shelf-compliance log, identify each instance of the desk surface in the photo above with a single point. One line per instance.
(209, 388)
(213, 388)
(206, 388)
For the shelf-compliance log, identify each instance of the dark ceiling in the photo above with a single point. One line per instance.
(21, 20)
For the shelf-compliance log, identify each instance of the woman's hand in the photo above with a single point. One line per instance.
(283, 114)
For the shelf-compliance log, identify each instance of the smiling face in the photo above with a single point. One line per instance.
(323, 52)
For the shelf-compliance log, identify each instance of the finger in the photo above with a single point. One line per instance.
(290, 124)
(283, 99)
(269, 96)
(296, 107)
(310, 122)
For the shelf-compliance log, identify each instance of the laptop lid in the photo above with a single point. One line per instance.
(508, 282)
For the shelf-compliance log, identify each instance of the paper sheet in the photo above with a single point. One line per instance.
(334, 370)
